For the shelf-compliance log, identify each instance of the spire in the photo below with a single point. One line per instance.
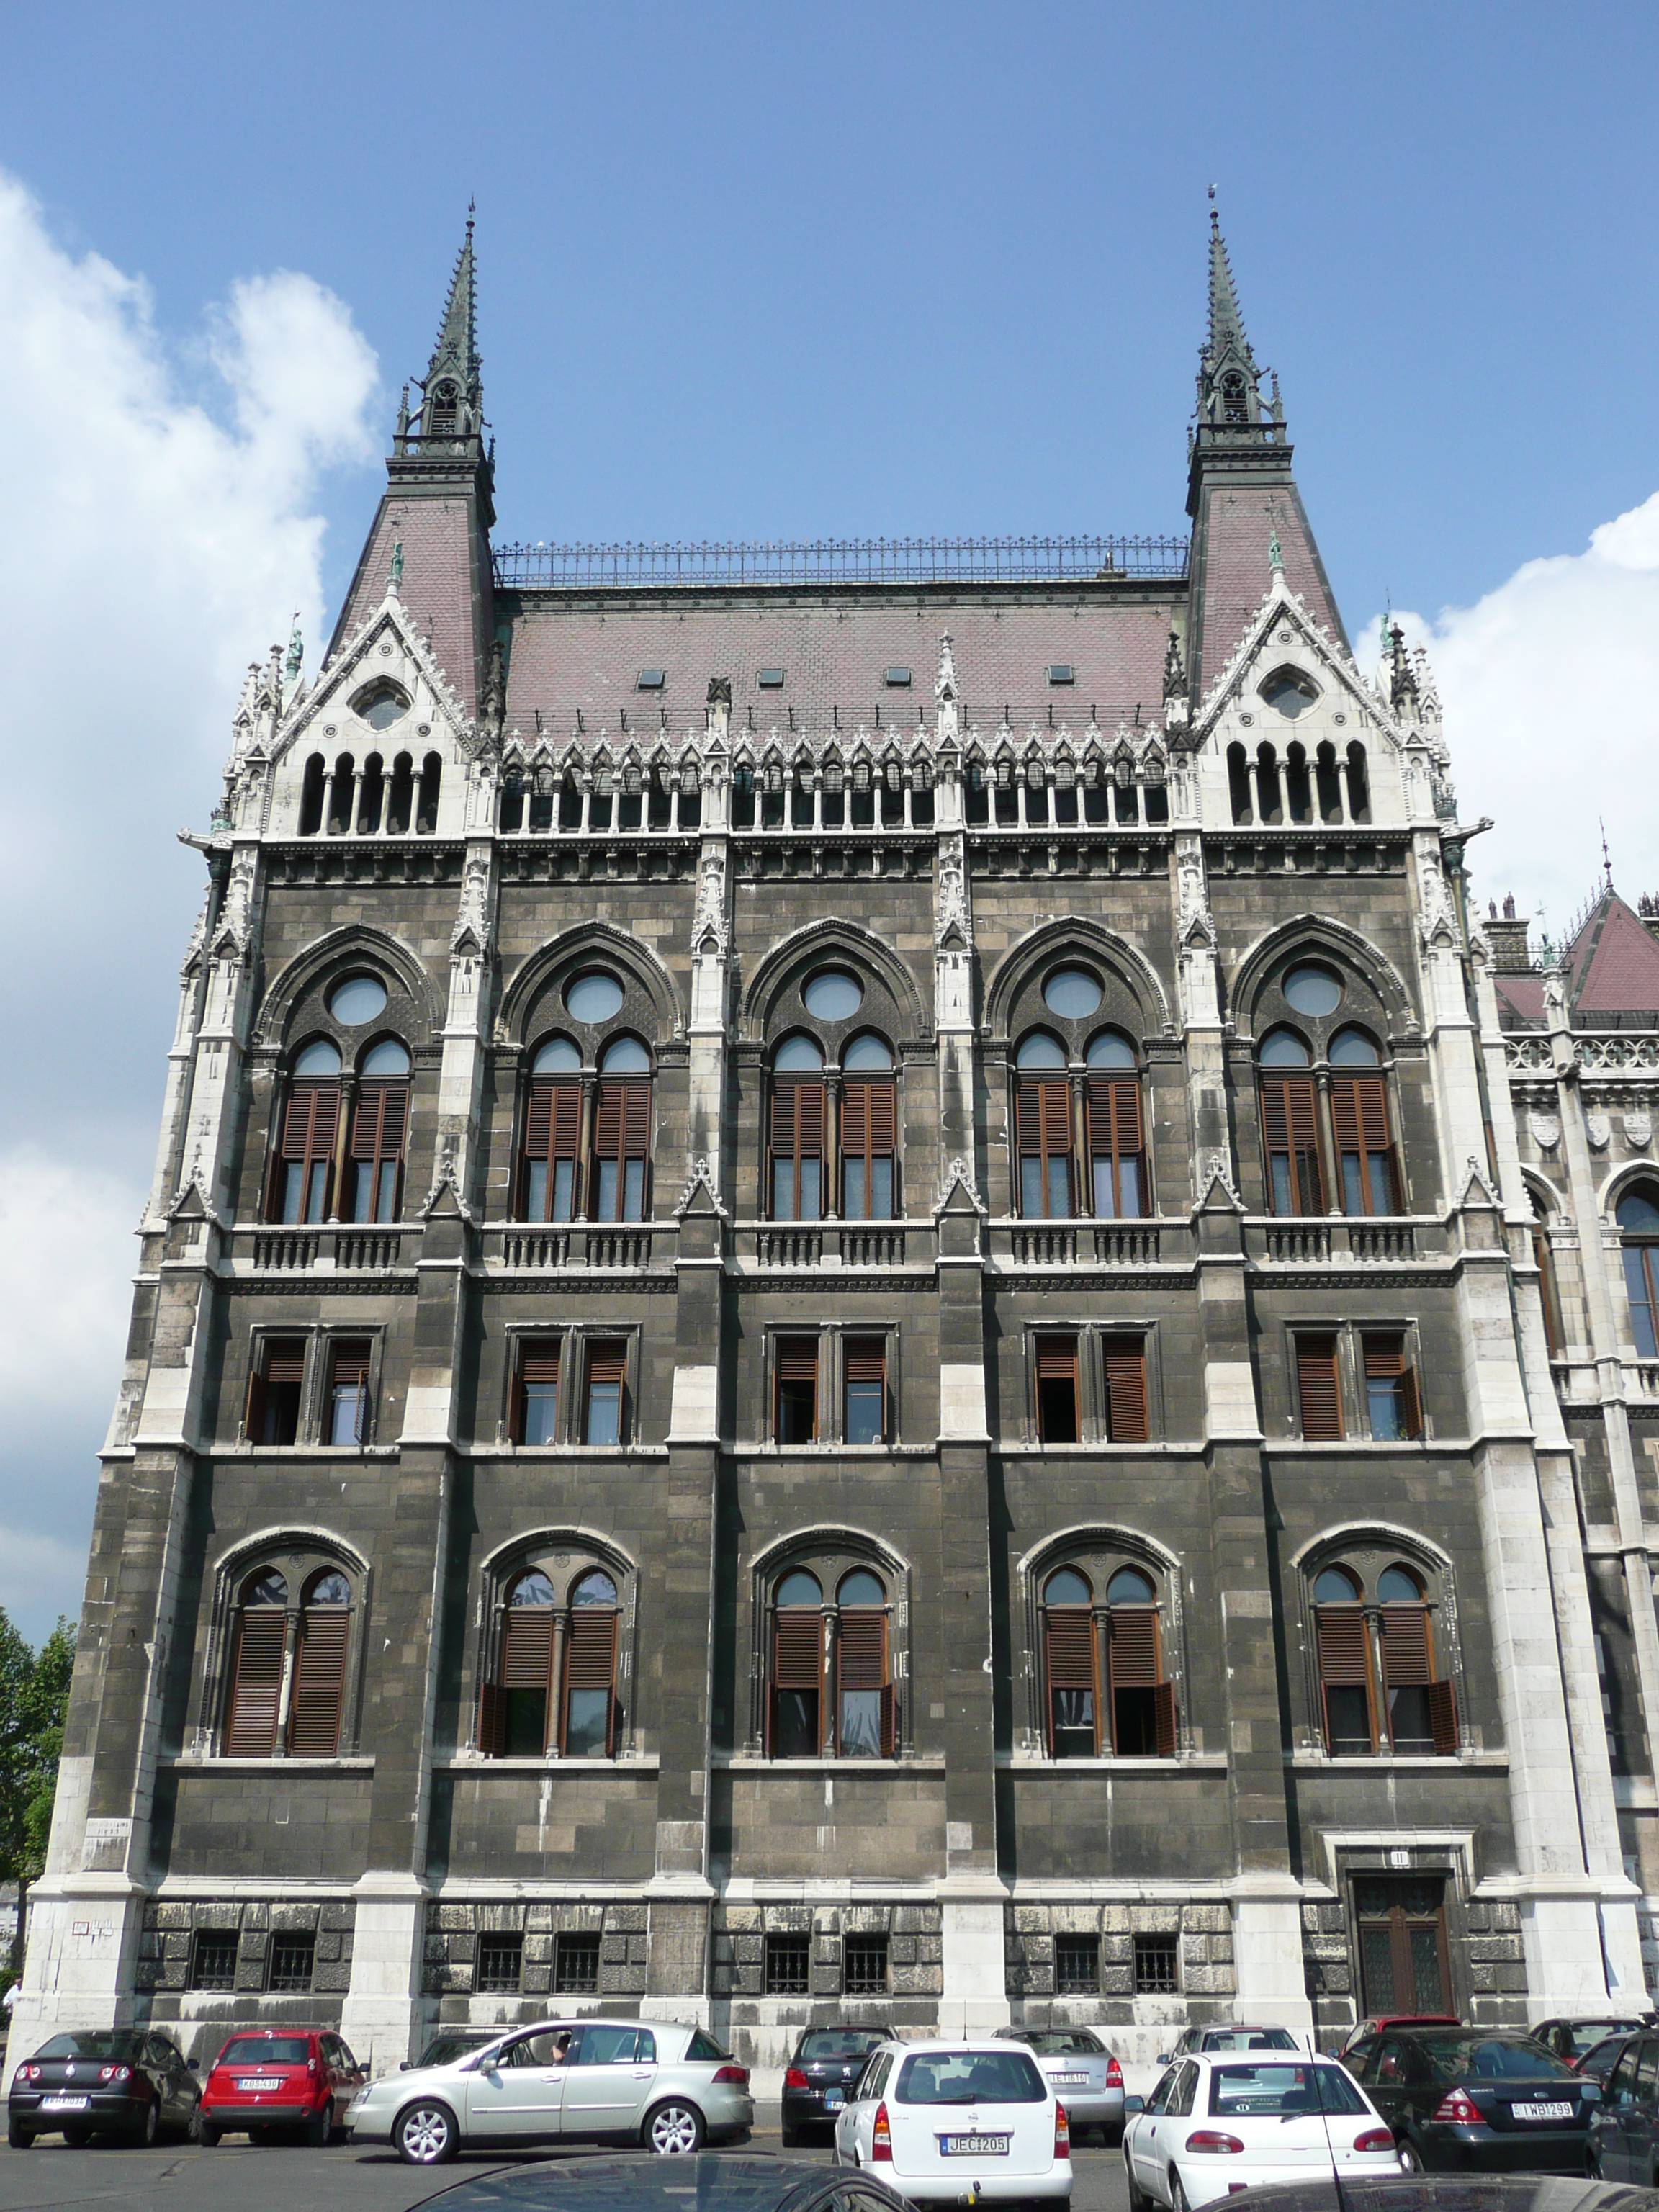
(452, 407)
(1229, 381)
(1226, 322)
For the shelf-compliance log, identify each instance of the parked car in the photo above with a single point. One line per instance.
(267, 2080)
(1082, 2073)
(1230, 2035)
(1480, 2100)
(634, 2185)
(450, 2044)
(117, 2080)
(669, 2086)
(822, 2074)
(1570, 2038)
(1625, 2127)
(1381, 2021)
(1214, 2125)
(943, 2121)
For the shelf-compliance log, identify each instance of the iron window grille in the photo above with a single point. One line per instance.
(1157, 1966)
(865, 1967)
(788, 1965)
(501, 1964)
(576, 1966)
(292, 1960)
(1077, 1966)
(213, 1959)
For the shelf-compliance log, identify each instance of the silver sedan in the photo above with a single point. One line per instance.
(663, 2083)
(1083, 2073)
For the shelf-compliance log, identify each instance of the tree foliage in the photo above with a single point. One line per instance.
(34, 1694)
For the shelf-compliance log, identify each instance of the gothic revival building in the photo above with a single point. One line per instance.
(839, 1317)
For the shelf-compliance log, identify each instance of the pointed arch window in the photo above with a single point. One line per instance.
(869, 1117)
(863, 1689)
(1290, 1125)
(1116, 1145)
(1380, 1688)
(1143, 1701)
(1042, 1113)
(1637, 1216)
(259, 1642)
(303, 1170)
(379, 1118)
(797, 1669)
(290, 1636)
(319, 1664)
(552, 1134)
(554, 1687)
(1071, 1666)
(622, 1132)
(798, 1128)
(1359, 1120)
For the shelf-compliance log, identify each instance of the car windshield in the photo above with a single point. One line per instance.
(1053, 2041)
(1492, 2058)
(1268, 2092)
(835, 2043)
(444, 2050)
(970, 2077)
(1250, 2039)
(265, 2050)
(91, 2042)
(1582, 2035)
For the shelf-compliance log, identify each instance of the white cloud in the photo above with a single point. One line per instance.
(1551, 689)
(154, 538)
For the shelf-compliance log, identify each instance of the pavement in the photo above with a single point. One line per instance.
(288, 2177)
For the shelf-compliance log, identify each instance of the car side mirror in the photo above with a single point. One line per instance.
(1162, 2058)
(404, 2065)
(1134, 2104)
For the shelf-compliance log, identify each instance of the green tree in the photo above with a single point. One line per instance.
(34, 1694)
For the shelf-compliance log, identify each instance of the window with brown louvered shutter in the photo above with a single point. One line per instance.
(622, 1141)
(796, 1153)
(797, 1682)
(868, 1140)
(1407, 1678)
(1390, 1388)
(347, 1392)
(1318, 1390)
(1360, 1117)
(256, 1682)
(1043, 1118)
(319, 1658)
(1345, 1678)
(796, 1390)
(492, 1719)
(605, 1419)
(1163, 1720)
(1057, 1390)
(864, 1380)
(526, 1677)
(552, 1132)
(1115, 1144)
(1289, 1137)
(590, 1669)
(301, 1170)
(1068, 1651)
(1442, 1719)
(275, 1389)
(1126, 1390)
(861, 1673)
(531, 1417)
(1135, 1675)
(378, 1121)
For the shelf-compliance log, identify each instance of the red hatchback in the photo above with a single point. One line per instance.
(272, 2078)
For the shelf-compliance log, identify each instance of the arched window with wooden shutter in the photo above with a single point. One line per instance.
(552, 1134)
(259, 1650)
(1422, 1712)
(869, 1131)
(798, 1123)
(588, 1720)
(1116, 1143)
(1360, 1119)
(513, 1707)
(1289, 1126)
(1345, 1669)
(1042, 1115)
(795, 1723)
(1071, 1666)
(622, 1133)
(1142, 1699)
(864, 1688)
(303, 1168)
(379, 1117)
(316, 1701)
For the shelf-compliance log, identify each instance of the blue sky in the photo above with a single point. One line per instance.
(756, 271)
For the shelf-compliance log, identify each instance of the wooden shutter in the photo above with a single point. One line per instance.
(285, 1362)
(1407, 1659)
(798, 1360)
(256, 1682)
(310, 1120)
(855, 1121)
(889, 1720)
(1126, 1390)
(1442, 1719)
(1163, 1719)
(590, 1658)
(1290, 1125)
(492, 1719)
(1044, 1113)
(1317, 1388)
(1359, 1113)
(314, 1725)
(867, 1360)
(606, 1363)
(1056, 1359)
(797, 1648)
(1115, 1114)
(538, 1362)
(1385, 1362)
(1068, 1654)
(622, 1125)
(350, 1363)
(868, 1115)
(1344, 1661)
(1132, 1648)
(798, 1114)
(377, 1122)
(552, 1120)
(862, 1650)
(527, 1648)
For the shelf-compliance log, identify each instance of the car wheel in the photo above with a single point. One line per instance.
(149, 2127)
(674, 2128)
(320, 2130)
(790, 2138)
(1177, 2194)
(1410, 2159)
(18, 2138)
(78, 2134)
(1139, 2200)
(426, 2135)
(208, 2135)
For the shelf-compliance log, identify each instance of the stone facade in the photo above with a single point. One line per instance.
(675, 1572)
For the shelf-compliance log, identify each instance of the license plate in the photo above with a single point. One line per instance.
(1542, 2112)
(834, 2099)
(64, 2103)
(253, 2083)
(1072, 2080)
(973, 2146)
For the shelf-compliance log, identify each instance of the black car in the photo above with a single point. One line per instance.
(117, 2080)
(663, 2185)
(1473, 2100)
(818, 2081)
(1434, 2193)
(1625, 2132)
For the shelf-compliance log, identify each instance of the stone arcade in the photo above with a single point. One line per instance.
(839, 1317)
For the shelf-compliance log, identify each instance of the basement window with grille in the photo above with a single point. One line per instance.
(213, 1959)
(576, 1966)
(1077, 1966)
(788, 1965)
(293, 1960)
(865, 1970)
(501, 1964)
(1156, 1966)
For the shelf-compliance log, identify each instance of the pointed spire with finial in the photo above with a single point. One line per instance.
(1229, 381)
(453, 406)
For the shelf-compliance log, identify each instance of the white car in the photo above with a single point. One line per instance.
(1216, 2124)
(939, 2122)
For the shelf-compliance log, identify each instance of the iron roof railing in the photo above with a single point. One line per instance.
(845, 561)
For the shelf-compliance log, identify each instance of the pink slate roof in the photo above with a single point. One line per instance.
(436, 588)
(1242, 519)
(1614, 961)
